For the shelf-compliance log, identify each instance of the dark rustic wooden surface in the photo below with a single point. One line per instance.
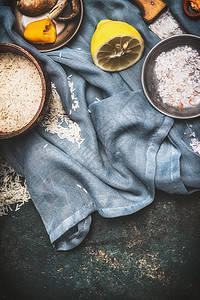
(153, 254)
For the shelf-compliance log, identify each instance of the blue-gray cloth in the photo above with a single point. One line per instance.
(128, 150)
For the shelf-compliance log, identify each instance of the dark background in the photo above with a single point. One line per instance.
(152, 254)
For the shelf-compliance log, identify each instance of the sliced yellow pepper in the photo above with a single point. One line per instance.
(40, 32)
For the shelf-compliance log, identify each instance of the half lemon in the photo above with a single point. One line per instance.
(116, 45)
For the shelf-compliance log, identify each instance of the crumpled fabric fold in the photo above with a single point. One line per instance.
(118, 149)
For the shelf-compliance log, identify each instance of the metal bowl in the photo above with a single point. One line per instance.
(65, 30)
(12, 48)
(150, 82)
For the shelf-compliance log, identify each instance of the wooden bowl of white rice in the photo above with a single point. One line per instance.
(23, 91)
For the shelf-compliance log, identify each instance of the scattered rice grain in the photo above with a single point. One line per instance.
(13, 189)
(58, 122)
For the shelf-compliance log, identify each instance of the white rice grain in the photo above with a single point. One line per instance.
(13, 189)
(20, 91)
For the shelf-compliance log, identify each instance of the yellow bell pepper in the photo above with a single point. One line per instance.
(40, 32)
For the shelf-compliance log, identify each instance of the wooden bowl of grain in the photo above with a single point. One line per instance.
(24, 91)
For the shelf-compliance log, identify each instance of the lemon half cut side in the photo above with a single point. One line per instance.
(116, 45)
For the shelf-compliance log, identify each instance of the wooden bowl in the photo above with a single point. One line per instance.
(12, 48)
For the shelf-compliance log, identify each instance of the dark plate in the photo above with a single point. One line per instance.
(150, 82)
(65, 30)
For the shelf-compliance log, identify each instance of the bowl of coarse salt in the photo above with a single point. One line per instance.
(171, 76)
(24, 91)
